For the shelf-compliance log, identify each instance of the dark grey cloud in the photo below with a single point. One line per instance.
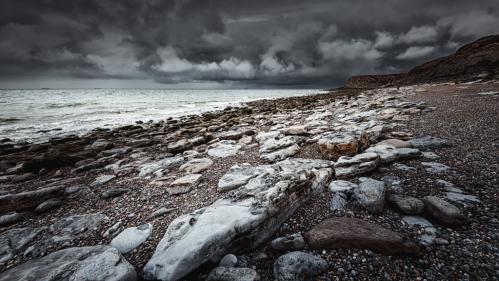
(318, 42)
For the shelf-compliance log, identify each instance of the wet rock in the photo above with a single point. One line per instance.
(233, 274)
(85, 263)
(435, 168)
(113, 192)
(370, 194)
(298, 266)
(13, 241)
(223, 149)
(228, 260)
(280, 154)
(11, 218)
(131, 238)
(159, 168)
(29, 199)
(335, 145)
(443, 211)
(100, 180)
(347, 167)
(48, 205)
(342, 186)
(196, 166)
(291, 242)
(406, 204)
(353, 233)
(428, 142)
(251, 214)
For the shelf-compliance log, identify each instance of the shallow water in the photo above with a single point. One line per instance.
(36, 115)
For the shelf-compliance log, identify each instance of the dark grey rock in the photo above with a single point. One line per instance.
(298, 266)
(113, 192)
(233, 274)
(443, 211)
(371, 194)
(48, 205)
(228, 260)
(428, 142)
(407, 204)
(288, 243)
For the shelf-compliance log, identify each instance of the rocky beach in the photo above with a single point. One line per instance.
(391, 183)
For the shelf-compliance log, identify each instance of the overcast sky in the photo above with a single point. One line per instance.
(227, 43)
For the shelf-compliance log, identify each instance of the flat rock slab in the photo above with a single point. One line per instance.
(29, 199)
(102, 263)
(442, 211)
(352, 233)
(347, 167)
(335, 145)
(100, 180)
(274, 144)
(184, 184)
(242, 219)
(15, 240)
(196, 165)
(298, 266)
(239, 175)
(291, 242)
(131, 238)
(342, 186)
(429, 234)
(223, 149)
(160, 167)
(406, 204)
(428, 142)
(435, 168)
(280, 154)
(113, 192)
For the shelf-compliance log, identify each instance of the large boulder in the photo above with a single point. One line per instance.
(352, 233)
(102, 263)
(335, 145)
(241, 220)
(298, 266)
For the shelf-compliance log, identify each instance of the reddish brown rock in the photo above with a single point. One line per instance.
(352, 233)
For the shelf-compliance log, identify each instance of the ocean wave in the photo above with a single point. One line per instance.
(9, 120)
(63, 105)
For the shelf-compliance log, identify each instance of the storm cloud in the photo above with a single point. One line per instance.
(232, 42)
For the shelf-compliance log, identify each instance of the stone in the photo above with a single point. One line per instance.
(435, 168)
(100, 180)
(80, 263)
(223, 149)
(406, 204)
(22, 178)
(395, 143)
(160, 212)
(291, 242)
(242, 219)
(246, 140)
(99, 145)
(196, 165)
(298, 266)
(428, 142)
(131, 238)
(393, 184)
(48, 205)
(335, 145)
(184, 184)
(342, 186)
(403, 167)
(113, 192)
(338, 202)
(234, 134)
(297, 130)
(114, 230)
(281, 154)
(429, 234)
(430, 155)
(239, 175)
(353, 233)
(461, 197)
(179, 146)
(75, 191)
(14, 240)
(347, 167)
(29, 199)
(370, 195)
(11, 218)
(443, 211)
(228, 260)
(160, 167)
(65, 231)
(264, 136)
(233, 274)
(390, 153)
(276, 144)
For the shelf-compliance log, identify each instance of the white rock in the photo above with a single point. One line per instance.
(281, 154)
(159, 168)
(223, 149)
(131, 238)
(341, 186)
(196, 165)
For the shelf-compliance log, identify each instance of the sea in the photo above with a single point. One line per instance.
(37, 115)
